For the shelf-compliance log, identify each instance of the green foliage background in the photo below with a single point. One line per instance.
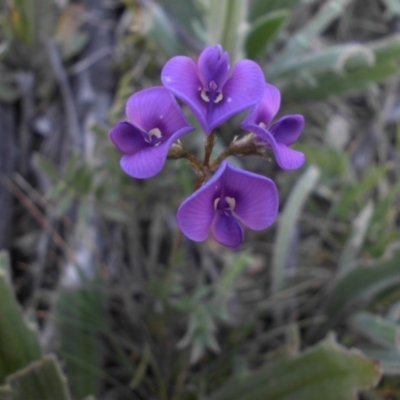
(98, 299)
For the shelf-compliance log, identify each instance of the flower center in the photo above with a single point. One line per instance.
(226, 206)
(153, 137)
(212, 94)
(262, 125)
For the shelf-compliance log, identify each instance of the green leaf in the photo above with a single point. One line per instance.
(376, 328)
(355, 193)
(42, 380)
(80, 314)
(224, 19)
(263, 31)
(389, 360)
(46, 166)
(363, 282)
(159, 28)
(259, 8)
(303, 39)
(18, 341)
(337, 58)
(327, 371)
(22, 16)
(287, 222)
(357, 236)
(329, 84)
(231, 273)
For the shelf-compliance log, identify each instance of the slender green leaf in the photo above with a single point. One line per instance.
(287, 222)
(259, 8)
(159, 28)
(329, 84)
(302, 40)
(357, 236)
(263, 31)
(22, 16)
(225, 21)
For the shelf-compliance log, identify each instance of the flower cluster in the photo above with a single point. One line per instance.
(225, 198)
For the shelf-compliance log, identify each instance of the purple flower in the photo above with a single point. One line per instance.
(155, 122)
(207, 88)
(281, 134)
(232, 197)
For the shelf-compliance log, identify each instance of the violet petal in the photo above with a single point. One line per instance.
(242, 90)
(288, 158)
(287, 130)
(127, 138)
(267, 108)
(180, 76)
(145, 163)
(150, 160)
(256, 197)
(227, 231)
(285, 157)
(195, 215)
(213, 66)
(155, 108)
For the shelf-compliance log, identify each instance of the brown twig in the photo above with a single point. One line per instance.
(37, 215)
(209, 148)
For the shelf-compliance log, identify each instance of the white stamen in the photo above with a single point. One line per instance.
(262, 125)
(219, 97)
(154, 132)
(216, 201)
(204, 96)
(231, 201)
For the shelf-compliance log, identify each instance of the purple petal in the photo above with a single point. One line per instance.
(150, 160)
(242, 90)
(287, 130)
(156, 108)
(288, 158)
(127, 138)
(145, 163)
(256, 197)
(180, 76)
(213, 66)
(267, 108)
(196, 213)
(227, 231)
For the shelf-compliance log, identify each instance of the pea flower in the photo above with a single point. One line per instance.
(155, 122)
(231, 197)
(281, 134)
(209, 90)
